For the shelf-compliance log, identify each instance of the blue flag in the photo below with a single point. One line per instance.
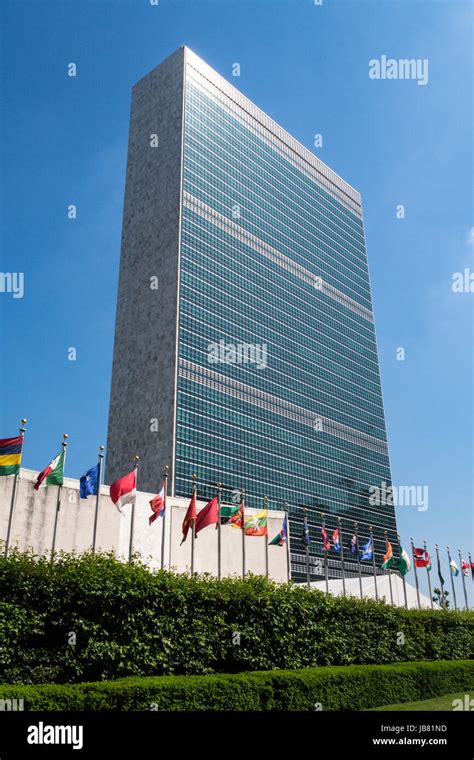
(367, 550)
(89, 483)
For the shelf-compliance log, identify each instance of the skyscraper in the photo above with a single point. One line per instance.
(245, 347)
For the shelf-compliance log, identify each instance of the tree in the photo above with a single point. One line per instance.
(443, 601)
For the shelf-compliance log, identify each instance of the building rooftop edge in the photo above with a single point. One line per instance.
(303, 151)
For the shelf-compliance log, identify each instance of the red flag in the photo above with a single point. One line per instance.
(209, 515)
(422, 558)
(190, 517)
(124, 490)
(326, 541)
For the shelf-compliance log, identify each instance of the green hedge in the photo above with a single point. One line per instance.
(95, 619)
(350, 687)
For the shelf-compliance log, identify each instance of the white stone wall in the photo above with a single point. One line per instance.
(33, 526)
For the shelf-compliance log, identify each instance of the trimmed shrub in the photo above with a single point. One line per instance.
(350, 687)
(95, 618)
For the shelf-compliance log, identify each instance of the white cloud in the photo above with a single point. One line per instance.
(470, 237)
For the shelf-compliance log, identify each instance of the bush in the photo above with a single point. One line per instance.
(350, 687)
(95, 618)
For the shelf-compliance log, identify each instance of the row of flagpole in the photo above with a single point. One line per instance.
(420, 556)
(126, 487)
(119, 491)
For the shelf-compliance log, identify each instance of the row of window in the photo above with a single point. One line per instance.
(237, 133)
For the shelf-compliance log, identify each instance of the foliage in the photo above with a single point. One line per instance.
(94, 618)
(349, 687)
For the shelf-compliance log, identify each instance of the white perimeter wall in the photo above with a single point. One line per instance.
(33, 525)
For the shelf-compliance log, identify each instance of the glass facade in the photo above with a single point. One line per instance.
(278, 378)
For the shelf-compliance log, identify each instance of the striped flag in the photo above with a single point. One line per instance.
(10, 455)
(388, 558)
(124, 490)
(256, 525)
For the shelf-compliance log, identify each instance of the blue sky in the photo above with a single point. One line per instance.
(64, 141)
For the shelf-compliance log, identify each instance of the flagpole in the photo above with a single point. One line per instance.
(308, 579)
(219, 547)
(402, 574)
(463, 581)
(265, 506)
(388, 570)
(341, 543)
(242, 492)
(193, 530)
(58, 500)
(442, 599)
(97, 499)
(132, 516)
(288, 563)
(358, 558)
(325, 554)
(373, 562)
(163, 525)
(14, 490)
(428, 574)
(452, 580)
(416, 572)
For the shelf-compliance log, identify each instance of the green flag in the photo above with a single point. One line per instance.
(404, 562)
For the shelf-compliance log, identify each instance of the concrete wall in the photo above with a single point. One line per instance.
(33, 525)
(144, 367)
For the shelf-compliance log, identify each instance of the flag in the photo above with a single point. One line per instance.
(404, 563)
(306, 538)
(422, 558)
(10, 455)
(388, 558)
(280, 537)
(367, 551)
(353, 545)
(208, 515)
(326, 541)
(53, 473)
(190, 517)
(465, 567)
(228, 511)
(158, 504)
(256, 525)
(124, 490)
(89, 483)
(441, 579)
(454, 568)
(237, 519)
(472, 570)
(335, 540)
